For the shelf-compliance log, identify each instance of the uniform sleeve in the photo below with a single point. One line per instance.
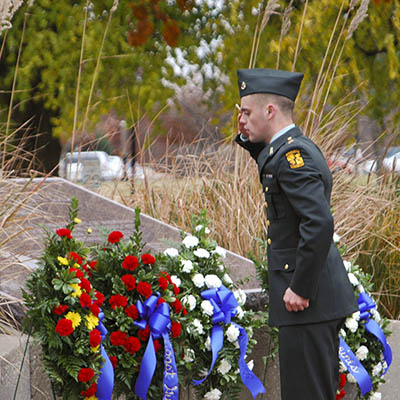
(302, 183)
(253, 148)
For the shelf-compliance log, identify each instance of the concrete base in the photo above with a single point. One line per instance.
(12, 346)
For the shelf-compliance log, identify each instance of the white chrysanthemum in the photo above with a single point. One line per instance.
(351, 324)
(207, 307)
(224, 367)
(227, 279)
(189, 355)
(212, 281)
(221, 267)
(198, 280)
(336, 238)
(350, 378)
(377, 369)
(353, 279)
(362, 353)
(176, 280)
(360, 288)
(376, 396)
(189, 301)
(232, 333)
(239, 312)
(187, 266)
(201, 253)
(208, 343)
(356, 315)
(375, 315)
(214, 394)
(171, 252)
(347, 265)
(190, 241)
(240, 296)
(200, 227)
(342, 333)
(250, 364)
(220, 251)
(197, 326)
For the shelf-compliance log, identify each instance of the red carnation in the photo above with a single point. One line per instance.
(144, 289)
(59, 309)
(184, 312)
(95, 309)
(167, 276)
(100, 298)
(94, 337)
(118, 338)
(118, 301)
(85, 300)
(157, 345)
(75, 256)
(78, 273)
(129, 281)
(91, 391)
(144, 334)
(130, 263)
(160, 300)
(163, 283)
(341, 394)
(342, 380)
(132, 345)
(115, 237)
(176, 289)
(148, 259)
(93, 264)
(85, 284)
(177, 305)
(114, 361)
(64, 327)
(64, 233)
(132, 312)
(85, 374)
(176, 329)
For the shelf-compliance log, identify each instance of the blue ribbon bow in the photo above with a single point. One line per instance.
(349, 359)
(105, 383)
(158, 320)
(224, 308)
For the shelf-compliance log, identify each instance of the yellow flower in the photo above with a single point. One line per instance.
(90, 398)
(77, 220)
(91, 321)
(77, 288)
(89, 230)
(76, 265)
(75, 318)
(62, 260)
(95, 349)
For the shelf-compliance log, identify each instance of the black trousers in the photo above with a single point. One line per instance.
(308, 358)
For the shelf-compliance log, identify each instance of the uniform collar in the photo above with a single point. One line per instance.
(270, 149)
(282, 132)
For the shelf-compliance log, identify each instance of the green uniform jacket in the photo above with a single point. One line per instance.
(297, 184)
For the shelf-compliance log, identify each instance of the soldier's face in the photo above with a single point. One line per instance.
(253, 121)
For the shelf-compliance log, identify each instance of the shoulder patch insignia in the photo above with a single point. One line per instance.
(294, 159)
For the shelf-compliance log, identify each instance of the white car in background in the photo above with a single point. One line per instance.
(392, 163)
(90, 165)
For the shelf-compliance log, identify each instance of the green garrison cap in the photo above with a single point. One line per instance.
(264, 80)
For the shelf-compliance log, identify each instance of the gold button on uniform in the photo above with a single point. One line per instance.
(269, 241)
(268, 222)
(266, 189)
(286, 266)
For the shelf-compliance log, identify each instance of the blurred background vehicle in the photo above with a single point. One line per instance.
(93, 165)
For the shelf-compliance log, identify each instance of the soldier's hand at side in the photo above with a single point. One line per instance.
(294, 302)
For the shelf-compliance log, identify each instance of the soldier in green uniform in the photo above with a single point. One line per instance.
(309, 291)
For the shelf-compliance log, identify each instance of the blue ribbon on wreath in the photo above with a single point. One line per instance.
(158, 319)
(224, 308)
(105, 383)
(350, 360)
